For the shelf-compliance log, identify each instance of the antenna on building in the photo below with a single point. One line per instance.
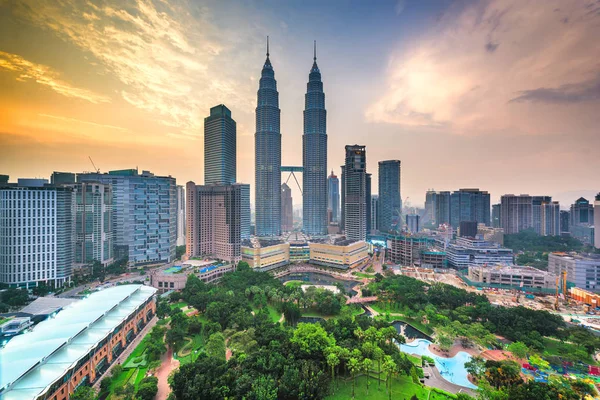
(315, 51)
(267, 46)
(94, 165)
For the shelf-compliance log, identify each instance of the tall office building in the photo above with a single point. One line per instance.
(219, 147)
(368, 201)
(144, 215)
(442, 204)
(37, 233)
(390, 201)
(550, 219)
(93, 223)
(517, 213)
(268, 154)
(374, 207)
(597, 221)
(314, 155)
(214, 214)
(430, 207)
(565, 222)
(287, 209)
(342, 198)
(180, 215)
(93, 214)
(413, 223)
(354, 183)
(582, 212)
(496, 215)
(537, 203)
(333, 197)
(246, 212)
(469, 205)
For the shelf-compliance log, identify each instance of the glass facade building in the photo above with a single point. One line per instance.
(333, 197)
(144, 214)
(219, 147)
(267, 142)
(354, 184)
(314, 156)
(390, 202)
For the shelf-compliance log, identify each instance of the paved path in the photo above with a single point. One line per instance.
(123, 356)
(435, 380)
(168, 364)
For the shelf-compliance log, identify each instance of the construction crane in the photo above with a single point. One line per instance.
(94, 165)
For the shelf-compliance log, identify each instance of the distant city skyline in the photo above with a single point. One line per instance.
(102, 82)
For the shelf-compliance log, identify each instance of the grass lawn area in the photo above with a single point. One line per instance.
(556, 348)
(311, 312)
(189, 350)
(132, 375)
(273, 313)
(363, 275)
(400, 315)
(3, 320)
(415, 360)
(402, 388)
(181, 304)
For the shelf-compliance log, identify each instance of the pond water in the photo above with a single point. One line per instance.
(311, 320)
(409, 331)
(452, 369)
(319, 279)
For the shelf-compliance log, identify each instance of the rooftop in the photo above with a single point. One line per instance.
(32, 362)
(577, 256)
(46, 305)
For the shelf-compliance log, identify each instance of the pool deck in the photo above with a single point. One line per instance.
(454, 350)
(435, 380)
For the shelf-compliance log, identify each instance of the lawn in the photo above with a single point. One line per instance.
(402, 388)
(400, 315)
(189, 349)
(3, 320)
(135, 371)
(181, 304)
(273, 313)
(363, 275)
(553, 347)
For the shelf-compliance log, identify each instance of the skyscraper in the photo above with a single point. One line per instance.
(517, 213)
(413, 223)
(333, 196)
(565, 222)
(374, 207)
(537, 203)
(342, 197)
(36, 233)
(430, 207)
(287, 209)
(219, 147)
(180, 215)
(597, 221)
(496, 215)
(93, 223)
(550, 219)
(354, 182)
(368, 201)
(314, 155)
(390, 202)
(144, 214)
(442, 204)
(268, 154)
(214, 215)
(582, 212)
(469, 205)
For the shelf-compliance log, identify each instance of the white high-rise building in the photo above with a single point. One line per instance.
(37, 233)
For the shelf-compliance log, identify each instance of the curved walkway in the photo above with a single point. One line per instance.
(168, 364)
(435, 380)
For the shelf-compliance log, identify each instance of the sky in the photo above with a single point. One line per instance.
(503, 95)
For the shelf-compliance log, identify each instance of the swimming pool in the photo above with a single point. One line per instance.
(173, 270)
(452, 369)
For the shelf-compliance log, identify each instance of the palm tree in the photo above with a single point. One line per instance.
(366, 367)
(333, 361)
(378, 355)
(354, 367)
(389, 367)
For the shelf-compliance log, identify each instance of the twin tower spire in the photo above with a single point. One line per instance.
(268, 155)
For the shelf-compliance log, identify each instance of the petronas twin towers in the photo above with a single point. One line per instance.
(268, 155)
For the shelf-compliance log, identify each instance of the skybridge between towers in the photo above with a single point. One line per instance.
(291, 170)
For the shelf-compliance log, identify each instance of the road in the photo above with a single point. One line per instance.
(129, 277)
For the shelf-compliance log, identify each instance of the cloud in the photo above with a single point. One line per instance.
(588, 91)
(44, 75)
(400, 6)
(163, 54)
(79, 121)
(499, 66)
